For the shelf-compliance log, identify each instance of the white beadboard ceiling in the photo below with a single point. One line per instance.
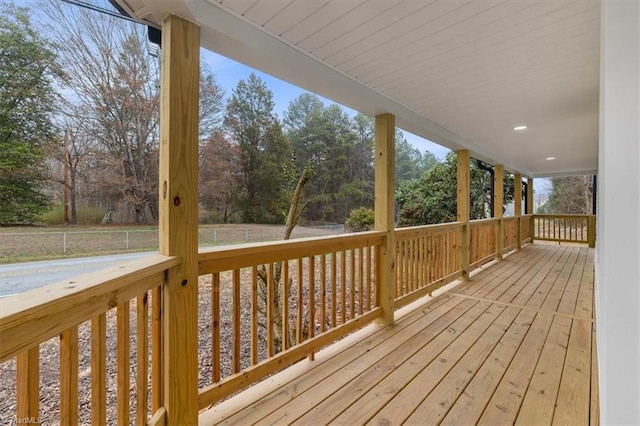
(461, 73)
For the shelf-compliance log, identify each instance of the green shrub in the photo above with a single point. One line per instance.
(361, 219)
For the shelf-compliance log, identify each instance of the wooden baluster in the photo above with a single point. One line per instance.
(343, 287)
(142, 358)
(323, 290)
(334, 278)
(407, 266)
(376, 259)
(312, 301)
(69, 377)
(123, 362)
(450, 252)
(28, 383)
(300, 301)
(414, 264)
(360, 280)
(270, 310)
(368, 278)
(423, 261)
(254, 315)
(400, 269)
(285, 305)
(99, 370)
(443, 257)
(215, 326)
(156, 351)
(237, 343)
(352, 284)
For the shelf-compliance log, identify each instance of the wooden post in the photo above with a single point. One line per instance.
(463, 201)
(498, 201)
(529, 196)
(179, 216)
(384, 212)
(591, 231)
(530, 204)
(517, 207)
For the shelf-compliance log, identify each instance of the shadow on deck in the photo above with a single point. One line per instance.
(516, 343)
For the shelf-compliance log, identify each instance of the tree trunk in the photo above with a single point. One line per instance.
(292, 219)
(73, 193)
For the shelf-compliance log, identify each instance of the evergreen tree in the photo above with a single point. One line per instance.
(26, 105)
(323, 138)
(432, 198)
(264, 150)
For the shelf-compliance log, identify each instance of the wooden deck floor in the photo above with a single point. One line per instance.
(515, 344)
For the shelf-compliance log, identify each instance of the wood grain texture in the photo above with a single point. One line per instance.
(122, 360)
(142, 358)
(99, 370)
(463, 208)
(40, 314)
(28, 383)
(502, 349)
(384, 213)
(178, 221)
(498, 201)
(69, 377)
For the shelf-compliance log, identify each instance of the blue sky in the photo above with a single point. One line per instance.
(228, 72)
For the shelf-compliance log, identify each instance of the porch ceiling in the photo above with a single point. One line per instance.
(460, 73)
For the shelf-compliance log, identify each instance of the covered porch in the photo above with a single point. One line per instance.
(514, 344)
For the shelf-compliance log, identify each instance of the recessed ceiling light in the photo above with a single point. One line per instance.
(523, 127)
(551, 158)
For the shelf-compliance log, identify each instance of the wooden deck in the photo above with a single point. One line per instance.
(515, 344)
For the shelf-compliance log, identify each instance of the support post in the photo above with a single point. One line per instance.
(384, 213)
(179, 216)
(498, 201)
(591, 231)
(531, 207)
(530, 196)
(463, 202)
(517, 207)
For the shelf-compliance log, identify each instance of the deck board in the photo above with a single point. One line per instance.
(515, 344)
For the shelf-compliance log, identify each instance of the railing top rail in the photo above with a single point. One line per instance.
(37, 315)
(482, 221)
(224, 258)
(427, 229)
(508, 218)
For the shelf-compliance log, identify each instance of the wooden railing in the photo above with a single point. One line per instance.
(427, 257)
(483, 239)
(262, 307)
(565, 228)
(510, 233)
(274, 304)
(526, 226)
(78, 318)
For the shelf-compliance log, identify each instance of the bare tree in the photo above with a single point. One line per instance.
(275, 281)
(114, 81)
